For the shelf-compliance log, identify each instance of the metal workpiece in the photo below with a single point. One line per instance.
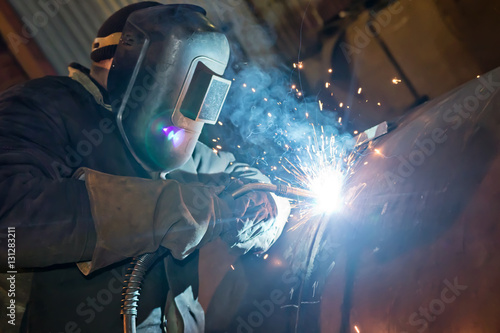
(420, 215)
(421, 209)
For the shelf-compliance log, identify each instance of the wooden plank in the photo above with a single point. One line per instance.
(11, 72)
(21, 44)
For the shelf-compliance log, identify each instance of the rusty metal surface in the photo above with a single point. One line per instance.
(425, 217)
(421, 176)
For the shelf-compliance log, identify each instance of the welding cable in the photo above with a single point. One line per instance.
(132, 287)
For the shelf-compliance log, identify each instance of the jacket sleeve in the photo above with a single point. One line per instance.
(49, 211)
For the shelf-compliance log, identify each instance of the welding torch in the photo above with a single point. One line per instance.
(280, 190)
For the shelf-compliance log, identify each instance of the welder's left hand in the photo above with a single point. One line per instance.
(256, 223)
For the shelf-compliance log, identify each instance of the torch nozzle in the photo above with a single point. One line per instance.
(279, 190)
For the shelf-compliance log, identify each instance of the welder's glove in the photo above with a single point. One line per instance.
(133, 216)
(256, 226)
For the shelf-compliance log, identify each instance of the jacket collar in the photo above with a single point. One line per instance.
(82, 75)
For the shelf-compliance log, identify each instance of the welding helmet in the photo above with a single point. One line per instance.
(165, 82)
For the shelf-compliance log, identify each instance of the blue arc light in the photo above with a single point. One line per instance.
(174, 134)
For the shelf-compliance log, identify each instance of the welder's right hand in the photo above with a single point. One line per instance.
(133, 216)
(254, 225)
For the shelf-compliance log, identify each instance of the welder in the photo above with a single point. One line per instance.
(105, 165)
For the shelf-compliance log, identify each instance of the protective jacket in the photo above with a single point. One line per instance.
(49, 128)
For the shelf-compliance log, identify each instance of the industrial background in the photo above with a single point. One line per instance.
(431, 46)
(367, 61)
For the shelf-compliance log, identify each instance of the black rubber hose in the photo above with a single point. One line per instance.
(132, 287)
